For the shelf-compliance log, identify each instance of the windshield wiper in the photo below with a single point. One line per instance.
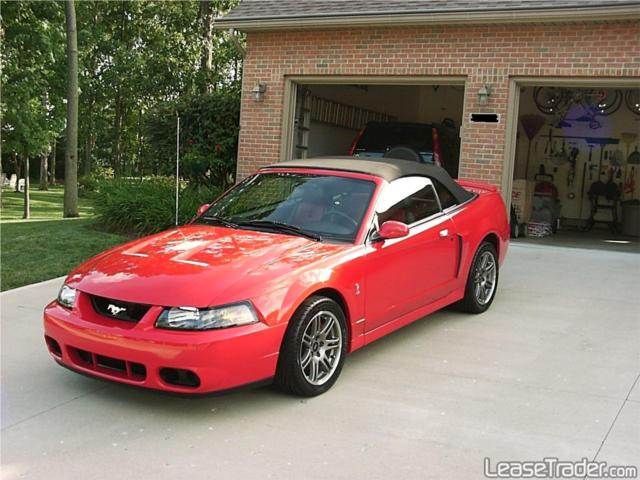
(282, 227)
(220, 220)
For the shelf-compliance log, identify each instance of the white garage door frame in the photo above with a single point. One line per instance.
(290, 89)
(513, 107)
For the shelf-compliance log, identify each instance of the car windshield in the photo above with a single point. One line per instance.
(317, 206)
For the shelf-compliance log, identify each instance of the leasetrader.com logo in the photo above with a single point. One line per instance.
(551, 467)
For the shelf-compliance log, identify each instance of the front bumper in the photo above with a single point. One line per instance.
(140, 354)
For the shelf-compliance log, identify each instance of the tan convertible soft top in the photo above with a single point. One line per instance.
(388, 168)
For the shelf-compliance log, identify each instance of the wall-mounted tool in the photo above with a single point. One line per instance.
(573, 155)
(584, 172)
(630, 182)
(628, 138)
(548, 148)
(603, 142)
(560, 157)
(617, 160)
(532, 125)
(591, 145)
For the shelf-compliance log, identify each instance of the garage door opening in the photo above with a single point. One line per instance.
(577, 166)
(369, 120)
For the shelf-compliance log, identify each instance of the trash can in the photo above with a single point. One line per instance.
(631, 217)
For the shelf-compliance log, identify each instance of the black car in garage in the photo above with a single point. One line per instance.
(422, 142)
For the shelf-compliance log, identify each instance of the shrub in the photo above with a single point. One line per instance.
(209, 126)
(89, 183)
(147, 205)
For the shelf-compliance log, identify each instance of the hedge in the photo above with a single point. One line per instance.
(144, 206)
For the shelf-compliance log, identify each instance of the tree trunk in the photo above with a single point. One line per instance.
(18, 165)
(138, 167)
(71, 153)
(88, 141)
(52, 163)
(119, 102)
(44, 181)
(118, 121)
(206, 60)
(27, 203)
(87, 155)
(124, 149)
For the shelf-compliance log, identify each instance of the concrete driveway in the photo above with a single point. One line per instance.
(550, 371)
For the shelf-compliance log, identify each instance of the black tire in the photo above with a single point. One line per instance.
(290, 376)
(515, 230)
(513, 223)
(470, 302)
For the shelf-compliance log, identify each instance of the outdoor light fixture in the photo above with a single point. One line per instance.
(259, 91)
(483, 94)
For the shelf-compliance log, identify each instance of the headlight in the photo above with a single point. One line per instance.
(67, 296)
(188, 318)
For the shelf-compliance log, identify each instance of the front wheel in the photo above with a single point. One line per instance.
(483, 280)
(314, 348)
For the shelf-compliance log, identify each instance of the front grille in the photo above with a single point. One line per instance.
(126, 311)
(114, 367)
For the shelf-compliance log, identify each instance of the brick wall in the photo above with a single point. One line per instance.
(483, 54)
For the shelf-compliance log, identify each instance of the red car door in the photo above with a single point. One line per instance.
(407, 273)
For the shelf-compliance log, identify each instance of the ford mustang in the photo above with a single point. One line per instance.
(281, 277)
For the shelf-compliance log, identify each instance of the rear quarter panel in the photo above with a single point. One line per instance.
(478, 219)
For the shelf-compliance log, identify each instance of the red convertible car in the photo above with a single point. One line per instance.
(281, 277)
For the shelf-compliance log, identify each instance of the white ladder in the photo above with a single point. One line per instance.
(303, 123)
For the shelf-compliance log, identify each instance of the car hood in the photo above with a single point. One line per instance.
(195, 265)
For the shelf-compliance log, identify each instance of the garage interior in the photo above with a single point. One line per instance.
(329, 117)
(576, 167)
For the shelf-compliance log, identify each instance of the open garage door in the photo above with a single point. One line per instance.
(577, 166)
(368, 120)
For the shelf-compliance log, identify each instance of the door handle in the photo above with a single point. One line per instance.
(444, 233)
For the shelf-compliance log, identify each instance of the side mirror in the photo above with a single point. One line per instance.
(392, 229)
(202, 209)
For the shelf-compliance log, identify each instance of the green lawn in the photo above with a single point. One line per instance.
(47, 246)
(45, 205)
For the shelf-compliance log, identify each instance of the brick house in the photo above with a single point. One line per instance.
(313, 70)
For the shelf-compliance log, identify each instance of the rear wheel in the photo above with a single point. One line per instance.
(483, 280)
(314, 348)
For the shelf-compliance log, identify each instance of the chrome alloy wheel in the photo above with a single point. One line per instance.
(485, 278)
(321, 348)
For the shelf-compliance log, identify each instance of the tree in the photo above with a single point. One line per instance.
(208, 136)
(71, 151)
(206, 62)
(27, 201)
(31, 100)
(44, 171)
(132, 57)
(52, 162)
(44, 157)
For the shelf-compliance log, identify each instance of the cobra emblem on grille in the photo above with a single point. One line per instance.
(115, 310)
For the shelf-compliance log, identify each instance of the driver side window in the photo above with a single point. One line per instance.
(411, 199)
